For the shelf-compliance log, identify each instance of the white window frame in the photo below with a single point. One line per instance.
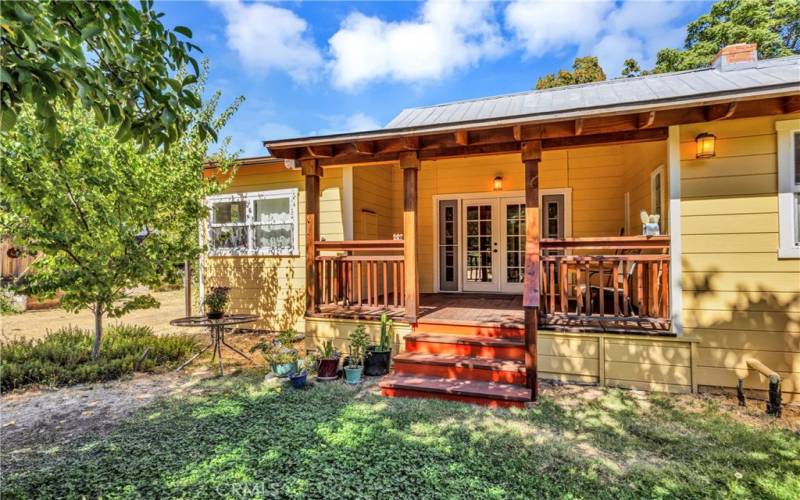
(788, 248)
(658, 171)
(251, 224)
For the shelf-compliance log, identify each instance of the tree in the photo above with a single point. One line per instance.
(631, 68)
(120, 62)
(584, 70)
(106, 216)
(772, 24)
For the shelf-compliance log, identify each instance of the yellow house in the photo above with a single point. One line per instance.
(505, 235)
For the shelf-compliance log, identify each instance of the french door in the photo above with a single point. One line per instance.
(493, 244)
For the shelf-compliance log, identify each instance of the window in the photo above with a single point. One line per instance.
(657, 193)
(788, 133)
(261, 223)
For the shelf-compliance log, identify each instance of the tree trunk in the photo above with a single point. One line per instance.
(98, 331)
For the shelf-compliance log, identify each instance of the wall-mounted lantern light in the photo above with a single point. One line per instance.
(706, 145)
(498, 183)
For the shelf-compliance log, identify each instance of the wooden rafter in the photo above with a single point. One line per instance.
(579, 126)
(648, 135)
(319, 151)
(462, 137)
(721, 111)
(646, 120)
(791, 104)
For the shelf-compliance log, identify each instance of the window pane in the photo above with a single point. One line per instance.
(229, 212)
(234, 237)
(272, 209)
(274, 236)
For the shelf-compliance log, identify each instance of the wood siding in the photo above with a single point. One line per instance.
(739, 299)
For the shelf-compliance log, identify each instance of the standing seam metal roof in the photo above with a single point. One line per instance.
(622, 91)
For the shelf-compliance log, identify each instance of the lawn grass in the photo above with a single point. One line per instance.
(330, 441)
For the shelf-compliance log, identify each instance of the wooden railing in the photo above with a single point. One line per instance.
(616, 278)
(361, 273)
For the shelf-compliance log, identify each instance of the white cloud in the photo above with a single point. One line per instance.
(271, 38)
(447, 36)
(612, 32)
(356, 122)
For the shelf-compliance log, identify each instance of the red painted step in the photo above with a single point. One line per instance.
(469, 391)
(460, 367)
(484, 347)
(465, 329)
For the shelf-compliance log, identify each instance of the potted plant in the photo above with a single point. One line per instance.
(300, 378)
(328, 363)
(359, 340)
(378, 357)
(216, 302)
(281, 360)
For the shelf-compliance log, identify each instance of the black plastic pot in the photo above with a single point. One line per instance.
(328, 369)
(376, 363)
(215, 314)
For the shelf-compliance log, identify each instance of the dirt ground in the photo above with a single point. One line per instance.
(36, 324)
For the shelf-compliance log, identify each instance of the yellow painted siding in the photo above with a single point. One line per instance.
(739, 299)
(274, 287)
(640, 161)
(319, 330)
(373, 205)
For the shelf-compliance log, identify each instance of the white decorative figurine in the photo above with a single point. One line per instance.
(650, 225)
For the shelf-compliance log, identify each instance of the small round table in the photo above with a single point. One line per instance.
(217, 327)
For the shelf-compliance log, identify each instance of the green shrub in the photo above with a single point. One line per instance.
(63, 357)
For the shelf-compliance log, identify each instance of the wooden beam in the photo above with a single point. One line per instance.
(462, 137)
(791, 104)
(720, 111)
(530, 297)
(410, 165)
(579, 126)
(647, 135)
(646, 120)
(488, 149)
(312, 174)
(531, 150)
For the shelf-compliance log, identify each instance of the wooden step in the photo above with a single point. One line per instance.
(468, 391)
(469, 345)
(460, 367)
(465, 328)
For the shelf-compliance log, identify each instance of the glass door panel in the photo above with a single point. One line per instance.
(480, 245)
(513, 251)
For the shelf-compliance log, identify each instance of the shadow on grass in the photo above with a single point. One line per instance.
(330, 441)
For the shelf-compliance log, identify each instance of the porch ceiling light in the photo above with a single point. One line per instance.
(706, 145)
(498, 183)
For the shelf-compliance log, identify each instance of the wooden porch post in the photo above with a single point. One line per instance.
(187, 288)
(312, 172)
(531, 156)
(409, 162)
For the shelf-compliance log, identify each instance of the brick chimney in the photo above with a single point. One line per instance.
(736, 56)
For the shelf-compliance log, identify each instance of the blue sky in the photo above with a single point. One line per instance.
(308, 68)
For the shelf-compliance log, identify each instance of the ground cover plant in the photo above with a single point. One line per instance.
(247, 440)
(63, 357)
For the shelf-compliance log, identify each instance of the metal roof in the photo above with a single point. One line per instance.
(623, 91)
(770, 77)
